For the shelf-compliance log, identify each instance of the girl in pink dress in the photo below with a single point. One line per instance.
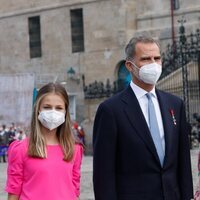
(46, 165)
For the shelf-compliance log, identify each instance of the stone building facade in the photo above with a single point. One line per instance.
(107, 26)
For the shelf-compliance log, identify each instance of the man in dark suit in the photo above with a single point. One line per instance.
(140, 138)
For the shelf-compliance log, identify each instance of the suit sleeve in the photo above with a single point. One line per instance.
(104, 146)
(185, 174)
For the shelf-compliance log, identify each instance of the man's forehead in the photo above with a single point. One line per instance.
(147, 49)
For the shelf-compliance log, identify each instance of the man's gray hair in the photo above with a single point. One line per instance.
(130, 47)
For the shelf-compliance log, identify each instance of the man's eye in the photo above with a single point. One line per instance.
(157, 58)
(146, 59)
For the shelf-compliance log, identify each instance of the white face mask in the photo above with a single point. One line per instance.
(51, 119)
(149, 73)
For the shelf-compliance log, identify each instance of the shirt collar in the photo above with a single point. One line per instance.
(139, 92)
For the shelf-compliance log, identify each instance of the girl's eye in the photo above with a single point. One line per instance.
(59, 108)
(47, 107)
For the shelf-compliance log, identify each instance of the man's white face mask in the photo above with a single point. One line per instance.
(51, 119)
(149, 73)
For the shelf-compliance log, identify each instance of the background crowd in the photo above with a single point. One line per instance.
(9, 133)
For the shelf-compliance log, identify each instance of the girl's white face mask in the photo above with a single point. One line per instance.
(149, 73)
(51, 119)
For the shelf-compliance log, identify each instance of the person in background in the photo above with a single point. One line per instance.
(78, 132)
(11, 134)
(46, 165)
(81, 134)
(3, 143)
(140, 136)
(20, 135)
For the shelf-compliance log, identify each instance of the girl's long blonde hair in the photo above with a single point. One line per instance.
(37, 144)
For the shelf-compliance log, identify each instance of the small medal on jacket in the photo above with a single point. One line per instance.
(173, 116)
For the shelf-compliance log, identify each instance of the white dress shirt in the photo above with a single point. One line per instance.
(143, 101)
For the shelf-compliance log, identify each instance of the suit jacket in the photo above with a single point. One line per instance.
(126, 165)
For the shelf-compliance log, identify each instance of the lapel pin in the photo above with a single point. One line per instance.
(173, 117)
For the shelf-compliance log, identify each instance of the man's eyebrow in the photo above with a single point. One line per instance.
(149, 57)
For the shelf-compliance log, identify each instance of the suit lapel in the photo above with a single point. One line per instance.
(135, 116)
(167, 123)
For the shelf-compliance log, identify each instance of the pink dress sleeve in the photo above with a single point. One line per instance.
(76, 173)
(16, 154)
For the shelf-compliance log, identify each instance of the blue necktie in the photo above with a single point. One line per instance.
(154, 129)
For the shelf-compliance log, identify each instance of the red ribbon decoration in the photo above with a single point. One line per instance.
(173, 116)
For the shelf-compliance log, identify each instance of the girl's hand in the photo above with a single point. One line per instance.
(13, 197)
